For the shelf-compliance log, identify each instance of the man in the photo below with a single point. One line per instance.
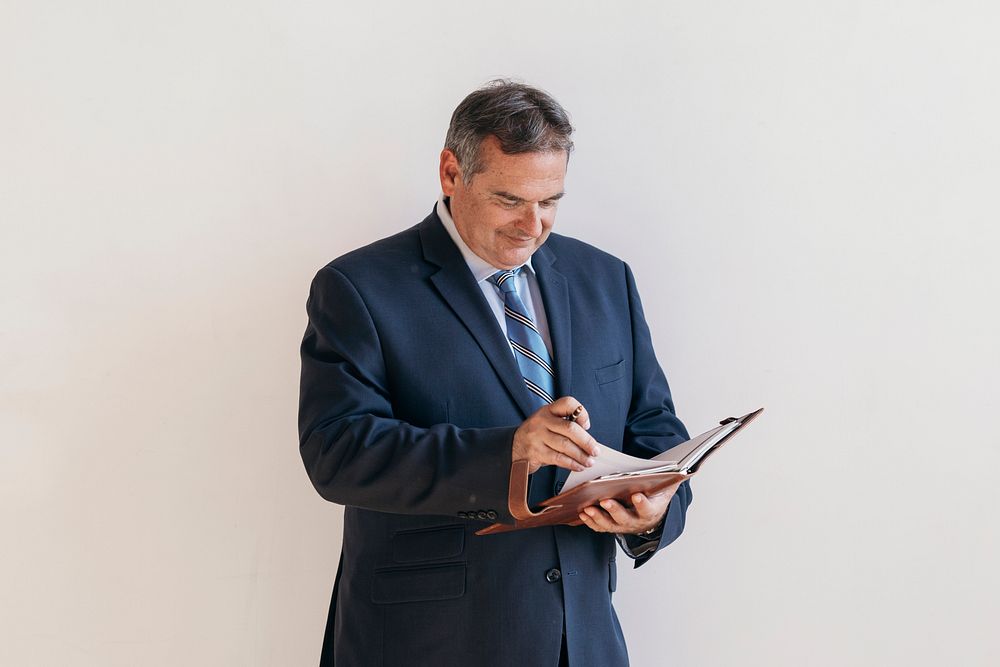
(436, 357)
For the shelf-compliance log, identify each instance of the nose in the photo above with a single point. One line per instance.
(530, 222)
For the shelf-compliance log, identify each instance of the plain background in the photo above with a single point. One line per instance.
(807, 192)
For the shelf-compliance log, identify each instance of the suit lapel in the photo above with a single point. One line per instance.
(458, 288)
(555, 294)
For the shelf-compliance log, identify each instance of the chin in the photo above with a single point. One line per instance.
(515, 260)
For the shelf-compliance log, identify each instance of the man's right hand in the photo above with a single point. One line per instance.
(548, 438)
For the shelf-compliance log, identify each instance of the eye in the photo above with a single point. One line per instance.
(548, 203)
(509, 203)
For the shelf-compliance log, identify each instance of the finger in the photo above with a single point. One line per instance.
(582, 416)
(562, 444)
(619, 514)
(544, 453)
(554, 458)
(650, 515)
(642, 505)
(575, 433)
(589, 522)
(650, 507)
(602, 520)
(566, 407)
(580, 436)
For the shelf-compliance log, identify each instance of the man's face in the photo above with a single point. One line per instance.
(508, 209)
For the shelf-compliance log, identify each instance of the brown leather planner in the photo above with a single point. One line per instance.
(664, 472)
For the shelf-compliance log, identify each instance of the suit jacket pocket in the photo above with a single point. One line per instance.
(418, 584)
(409, 546)
(610, 373)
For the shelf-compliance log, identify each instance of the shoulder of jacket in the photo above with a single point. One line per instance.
(567, 246)
(386, 254)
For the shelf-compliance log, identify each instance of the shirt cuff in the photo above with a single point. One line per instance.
(635, 546)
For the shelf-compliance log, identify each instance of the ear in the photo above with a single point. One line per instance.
(449, 172)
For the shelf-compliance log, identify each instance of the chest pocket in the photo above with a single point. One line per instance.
(609, 374)
(612, 395)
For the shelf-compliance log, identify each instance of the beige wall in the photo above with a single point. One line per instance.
(807, 192)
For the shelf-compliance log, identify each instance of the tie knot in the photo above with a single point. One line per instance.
(504, 280)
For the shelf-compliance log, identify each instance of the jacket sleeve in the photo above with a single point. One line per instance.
(651, 427)
(355, 451)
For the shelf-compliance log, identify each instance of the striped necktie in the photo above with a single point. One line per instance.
(535, 363)
(529, 348)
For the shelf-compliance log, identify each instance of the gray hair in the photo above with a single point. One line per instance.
(524, 119)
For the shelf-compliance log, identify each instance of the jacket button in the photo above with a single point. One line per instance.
(481, 515)
(491, 515)
(462, 515)
(553, 575)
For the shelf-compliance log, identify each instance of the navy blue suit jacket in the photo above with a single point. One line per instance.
(410, 397)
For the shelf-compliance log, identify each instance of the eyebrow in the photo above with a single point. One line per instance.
(507, 195)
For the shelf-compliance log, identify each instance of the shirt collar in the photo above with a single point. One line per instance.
(480, 268)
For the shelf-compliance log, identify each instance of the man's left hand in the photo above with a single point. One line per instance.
(613, 517)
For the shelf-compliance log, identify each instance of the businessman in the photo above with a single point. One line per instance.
(434, 358)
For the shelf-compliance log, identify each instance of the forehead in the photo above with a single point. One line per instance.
(537, 175)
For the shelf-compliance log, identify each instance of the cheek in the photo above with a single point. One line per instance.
(484, 224)
(547, 222)
(503, 223)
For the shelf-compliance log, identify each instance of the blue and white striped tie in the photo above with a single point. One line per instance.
(529, 348)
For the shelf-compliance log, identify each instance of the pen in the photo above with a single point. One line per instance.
(576, 414)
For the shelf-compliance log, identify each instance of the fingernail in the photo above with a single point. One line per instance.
(605, 504)
(637, 499)
(590, 511)
(590, 462)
